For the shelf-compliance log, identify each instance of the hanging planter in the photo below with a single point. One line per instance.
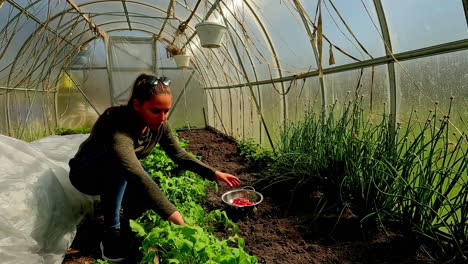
(210, 34)
(182, 60)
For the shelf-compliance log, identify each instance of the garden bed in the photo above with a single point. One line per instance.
(273, 233)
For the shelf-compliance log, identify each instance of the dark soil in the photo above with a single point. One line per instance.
(272, 232)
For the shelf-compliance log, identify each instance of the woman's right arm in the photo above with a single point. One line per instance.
(176, 218)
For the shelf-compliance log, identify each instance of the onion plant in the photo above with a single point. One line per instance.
(415, 176)
(429, 194)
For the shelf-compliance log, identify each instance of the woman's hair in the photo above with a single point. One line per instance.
(146, 85)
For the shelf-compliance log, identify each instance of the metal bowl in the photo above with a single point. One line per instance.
(246, 192)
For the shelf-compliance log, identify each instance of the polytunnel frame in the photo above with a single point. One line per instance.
(64, 28)
(56, 32)
(214, 72)
(389, 59)
(214, 6)
(134, 2)
(96, 28)
(67, 11)
(256, 101)
(272, 49)
(41, 26)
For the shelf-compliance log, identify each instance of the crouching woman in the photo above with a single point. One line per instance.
(108, 161)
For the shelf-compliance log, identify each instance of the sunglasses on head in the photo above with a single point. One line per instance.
(153, 80)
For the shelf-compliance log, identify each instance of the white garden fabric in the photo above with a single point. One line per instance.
(39, 208)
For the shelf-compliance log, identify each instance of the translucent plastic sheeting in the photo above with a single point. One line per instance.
(39, 208)
(189, 101)
(427, 85)
(432, 23)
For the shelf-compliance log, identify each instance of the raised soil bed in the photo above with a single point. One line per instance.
(271, 232)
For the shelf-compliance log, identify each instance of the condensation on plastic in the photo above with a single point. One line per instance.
(39, 208)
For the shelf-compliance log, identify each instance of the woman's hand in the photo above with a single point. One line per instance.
(227, 178)
(176, 218)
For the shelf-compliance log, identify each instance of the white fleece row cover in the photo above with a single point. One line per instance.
(39, 208)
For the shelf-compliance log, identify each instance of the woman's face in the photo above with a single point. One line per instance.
(153, 112)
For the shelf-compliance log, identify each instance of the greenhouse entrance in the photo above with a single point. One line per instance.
(233, 131)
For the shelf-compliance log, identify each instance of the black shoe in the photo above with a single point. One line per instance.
(113, 247)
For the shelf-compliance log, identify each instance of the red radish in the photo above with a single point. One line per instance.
(242, 201)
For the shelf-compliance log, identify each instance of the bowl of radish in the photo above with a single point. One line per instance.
(244, 197)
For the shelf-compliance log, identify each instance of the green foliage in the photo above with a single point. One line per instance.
(158, 163)
(69, 131)
(192, 244)
(100, 261)
(195, 242)
(254, 153)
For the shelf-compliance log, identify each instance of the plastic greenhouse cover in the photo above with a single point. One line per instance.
(39, 208)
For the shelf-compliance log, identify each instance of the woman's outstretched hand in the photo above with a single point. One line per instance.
(227, 178)
(176, 218)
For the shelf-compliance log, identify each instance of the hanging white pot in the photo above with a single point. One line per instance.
(182, 61)
(210, 34)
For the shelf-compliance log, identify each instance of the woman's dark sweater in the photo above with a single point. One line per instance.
(117, 133)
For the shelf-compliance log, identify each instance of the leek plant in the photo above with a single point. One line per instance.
(414, 176)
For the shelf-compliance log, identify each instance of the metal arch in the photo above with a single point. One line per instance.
(124, 5)
(7, 112)
(258, 104)
(408, 55)
(61, 50)
(390, 66)
(60, 15)
(86, 18)
(171, 6)
(34, 18)
(314, 48)
(123, 29)
(118, 29)
(70, 9)
(127, 1)
(103, 1)
(106, 1)
(205, 79)
(273, 50)
(271, 47)
(130, 14)
(465, 8)
(53, 31)
(111, 22)
(34, 34)
(251, 88)
(237, 34)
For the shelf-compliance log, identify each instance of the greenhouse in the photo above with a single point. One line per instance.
(336, 131)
